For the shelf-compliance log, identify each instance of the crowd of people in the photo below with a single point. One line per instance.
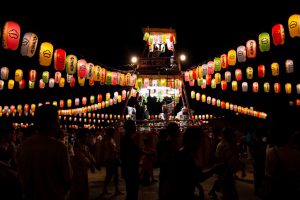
(41, 162)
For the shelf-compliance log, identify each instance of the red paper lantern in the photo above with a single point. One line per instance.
(238, 74)
(255, 87)
(251, 48)
(224, 61)
(261, 71)
(32, 75)
(59, 59)
(224, 85)
(277, 88)
(278, 35)
(11, 35)
(81, 68)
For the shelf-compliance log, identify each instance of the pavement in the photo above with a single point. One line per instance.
(244, 186)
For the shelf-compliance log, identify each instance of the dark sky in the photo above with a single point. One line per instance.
(110, 33)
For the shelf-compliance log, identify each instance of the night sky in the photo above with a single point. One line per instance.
(109, 35)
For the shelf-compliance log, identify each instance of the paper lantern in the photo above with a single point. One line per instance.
(223, 85)
(11, 84)
(119, 99)
(298, 88)
(46, 53)
(223, 104)
(288, 88)
(91, 82)
(249, 72)
(45, 76)
(193, 95)
(213, 101)
(41, 84)
(227, 105)
(22, 84)
(277, 88)
(264, 41)
(245, 87)
(217, 64)
(228, 76)
(297, 102)
(71, 64)
(92, 99)
(81, 81)
(194, 73)
(11, 35)
(210, 67)
(62, 82)
(146, 82)
(103, 104)
(18, 75)
(69, 103)
(107, 96)
(208, 100)
(186, 76)
(294, 25)
(99, 98)
(234, 85)
(29, 44)
(109, 78)
(251, 48)
(218, 78)
(197, 96)
(77, 101)
(127, 79)
(241, 53)
(235, 108)
(208, 79)
(231, 106)
(1, 84)
(218, 102)
(266, 87)
(255, 87)
(96, 72)
(4, 73)
(31, 84)
(204, 69)
(213, 83)
(192, 83)
(73, 82)
(275, 69)
(200, 81)
(203, 98)
(107, 103)
(59, 59)
(231, 57)
(81, 68)
(124, 95)
(224, 61)
(57, 77)
(69, 78)
(84, 100)
(111, 102)
(199, 72)
(114, 78)
(238, 74)
(289, 66)
(278, 35)
(261, 71)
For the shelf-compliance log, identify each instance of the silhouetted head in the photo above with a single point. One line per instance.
(192, 138)
(129, 126)
(110, 132)
(47, 119)
(173, 129)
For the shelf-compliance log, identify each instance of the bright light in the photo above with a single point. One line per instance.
(134, 59)
(182, 57)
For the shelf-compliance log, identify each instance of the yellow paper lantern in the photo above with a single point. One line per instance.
(231, 57)
(18, 75)
(46, 54)
(275, 69)
(294, 25)
(62, 82)
(266, 87)
(288, 88)
(203, 98)
(197, 96)
(69, 103)
(11, 84)
(193, 94)
(234, 85)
